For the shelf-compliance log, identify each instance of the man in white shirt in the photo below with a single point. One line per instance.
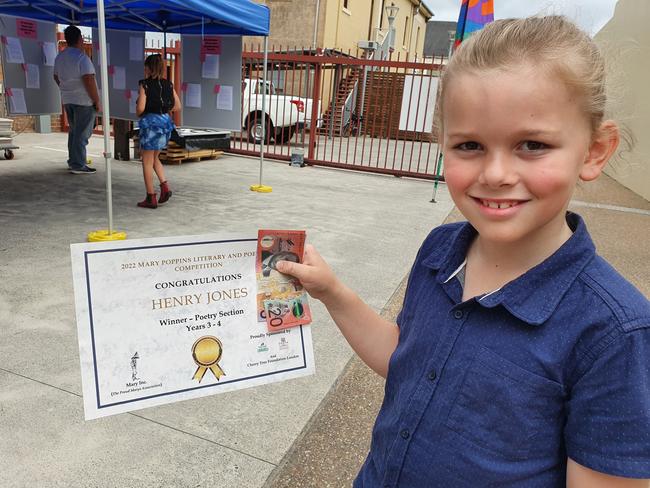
(75, 75)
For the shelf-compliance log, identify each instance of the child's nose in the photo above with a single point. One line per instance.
(497, 171)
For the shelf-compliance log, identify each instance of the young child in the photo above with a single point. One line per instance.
(520, 357)
(156, 98)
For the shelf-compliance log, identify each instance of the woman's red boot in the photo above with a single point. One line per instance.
(149, 202)
(165, 193)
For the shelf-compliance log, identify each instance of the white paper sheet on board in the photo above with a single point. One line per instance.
(17, 101)
(14, 51)
(224, 98)
(119, 78)
(136, 49)
(210, 68)
(132, 101)
(193, 95)
(49, 53)
(32, 76)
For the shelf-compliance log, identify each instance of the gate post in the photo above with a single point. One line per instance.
(313, 128)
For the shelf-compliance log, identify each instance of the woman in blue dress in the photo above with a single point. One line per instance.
(156, 99)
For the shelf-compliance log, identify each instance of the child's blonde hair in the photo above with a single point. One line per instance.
(552, 43)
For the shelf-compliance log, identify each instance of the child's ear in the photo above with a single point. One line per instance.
(603, 144)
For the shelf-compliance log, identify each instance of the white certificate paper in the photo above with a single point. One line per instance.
(14, 50)
(17, 104)
(224, 98)
(136, 48)
(193, 95)
(119, 77)
(210, 67)
(32, 76)
(168, 319)
(49, 53)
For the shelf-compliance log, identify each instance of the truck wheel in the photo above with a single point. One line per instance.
(9, 154)
(284, 134)
(255, 130)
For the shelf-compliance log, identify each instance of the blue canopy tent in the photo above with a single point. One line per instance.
(224, 17)
(220, 17)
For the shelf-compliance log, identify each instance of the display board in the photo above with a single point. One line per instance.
(28, 51)
(211, 89)
(125, 58)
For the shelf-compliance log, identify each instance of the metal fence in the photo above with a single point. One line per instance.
(353, 112)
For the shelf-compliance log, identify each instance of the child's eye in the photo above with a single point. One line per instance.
(468, 146)
(533, 146)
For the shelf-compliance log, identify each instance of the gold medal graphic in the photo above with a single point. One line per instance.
(206, 353)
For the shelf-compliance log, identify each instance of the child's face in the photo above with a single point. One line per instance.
(515, 144)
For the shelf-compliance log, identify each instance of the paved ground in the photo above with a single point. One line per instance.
(368, 227)
(358, 221)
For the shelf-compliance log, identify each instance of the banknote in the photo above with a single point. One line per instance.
(282, 301)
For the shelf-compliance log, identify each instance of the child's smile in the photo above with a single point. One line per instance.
(498, 207)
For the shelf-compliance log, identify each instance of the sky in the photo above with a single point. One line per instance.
(591, 15)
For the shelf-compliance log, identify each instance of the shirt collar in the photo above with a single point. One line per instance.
(535, 295)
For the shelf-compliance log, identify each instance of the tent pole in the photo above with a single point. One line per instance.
(260, 187)
(165, 46)
(266, 57)
(105, 111)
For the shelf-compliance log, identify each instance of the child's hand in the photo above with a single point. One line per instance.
(314, 274)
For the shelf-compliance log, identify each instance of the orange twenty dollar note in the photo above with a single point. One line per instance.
(281, 300)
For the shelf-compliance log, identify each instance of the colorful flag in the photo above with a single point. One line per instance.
(474, 14)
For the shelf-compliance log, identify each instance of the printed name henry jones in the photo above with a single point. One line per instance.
(198, 298)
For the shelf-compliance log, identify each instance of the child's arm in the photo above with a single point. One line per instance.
(579, 476)
(373, 338)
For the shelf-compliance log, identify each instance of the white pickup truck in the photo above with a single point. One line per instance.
(284, 115)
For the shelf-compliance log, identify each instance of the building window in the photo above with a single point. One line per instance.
(406, 29)
(346, 4)
(417, 40)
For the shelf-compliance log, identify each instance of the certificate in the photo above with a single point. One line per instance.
(168, 319)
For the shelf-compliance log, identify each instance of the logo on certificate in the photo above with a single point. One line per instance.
(206, 353)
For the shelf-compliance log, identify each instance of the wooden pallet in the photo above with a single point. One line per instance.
(174, 154)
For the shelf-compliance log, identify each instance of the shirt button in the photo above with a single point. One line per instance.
(432, 375)
(405, 434)
(458, 314)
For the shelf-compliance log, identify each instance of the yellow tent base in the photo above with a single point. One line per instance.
(261, 188)
(103, 236)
